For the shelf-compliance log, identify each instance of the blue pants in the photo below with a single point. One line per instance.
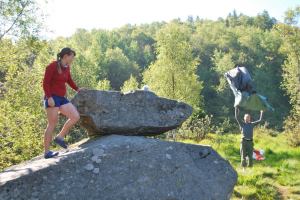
(59, 101)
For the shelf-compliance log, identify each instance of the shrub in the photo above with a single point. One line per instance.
(196, 128)
(292, 129)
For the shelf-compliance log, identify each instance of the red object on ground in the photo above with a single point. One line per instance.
(257, 155)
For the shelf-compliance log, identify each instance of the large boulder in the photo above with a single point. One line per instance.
(123, 167)
(135, 113)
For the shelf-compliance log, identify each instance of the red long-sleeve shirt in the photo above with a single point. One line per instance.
(54, 83)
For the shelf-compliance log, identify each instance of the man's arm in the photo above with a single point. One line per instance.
(236, 114)
(260, 118)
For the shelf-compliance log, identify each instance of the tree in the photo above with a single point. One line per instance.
(173, 75)
(103, 85)
(22, 117)
(264, 21)
(117, 68)
(290, 33)
(18, 18)
(130, 84)
(141, 48)
(17, 22)
(222, 63)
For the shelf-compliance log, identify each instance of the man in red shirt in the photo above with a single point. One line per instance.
(56, 76)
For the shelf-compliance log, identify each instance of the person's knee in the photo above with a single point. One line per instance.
(75, 118)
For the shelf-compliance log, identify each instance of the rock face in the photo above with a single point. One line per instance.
(136, 113)
(123, 167)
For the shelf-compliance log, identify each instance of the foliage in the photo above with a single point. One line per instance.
(290, 33)
(130, 84)
(196, 129)
(173, 75)
(103, 85)
(22, 114)
(19, 18)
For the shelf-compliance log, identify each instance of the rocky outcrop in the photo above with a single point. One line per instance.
(135, 113)
(123, 167)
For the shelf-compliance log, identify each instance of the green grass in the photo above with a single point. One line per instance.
(276, 177)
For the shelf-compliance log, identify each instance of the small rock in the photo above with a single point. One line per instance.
(34, 194)
(89, 167)
(204, 153)
(96, 170)
(169, 156)
(98, 161)
(98, 152)
(61, 192)
(169, 148)
(94, 158)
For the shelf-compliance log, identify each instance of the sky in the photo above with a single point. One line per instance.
(63, 17)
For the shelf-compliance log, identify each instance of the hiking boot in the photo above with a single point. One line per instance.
(60, 142)
(50, 154)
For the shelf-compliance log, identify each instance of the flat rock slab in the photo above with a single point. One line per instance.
(135, 113)
(123, 167)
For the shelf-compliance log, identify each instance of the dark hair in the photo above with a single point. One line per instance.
(61, 54)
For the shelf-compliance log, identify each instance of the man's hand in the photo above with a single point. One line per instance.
(51, 102)
(261, 114)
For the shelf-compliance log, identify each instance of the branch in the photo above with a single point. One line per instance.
(15, 21)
